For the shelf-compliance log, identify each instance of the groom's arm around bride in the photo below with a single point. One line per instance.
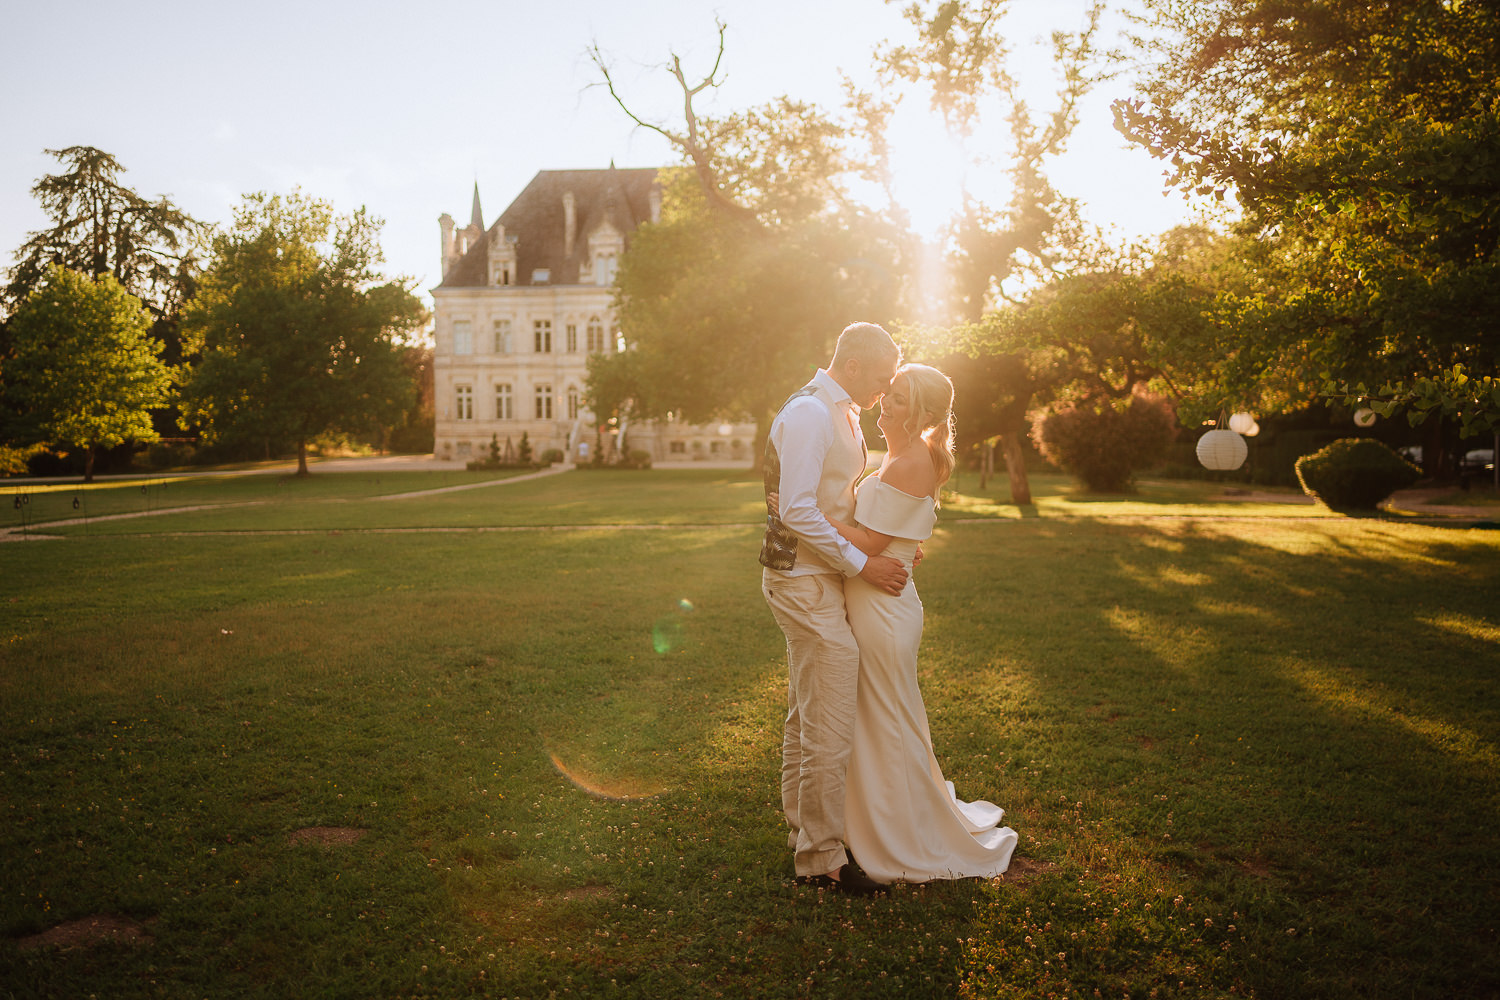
(815, 454)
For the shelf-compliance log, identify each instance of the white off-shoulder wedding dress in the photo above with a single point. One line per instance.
(903, 822)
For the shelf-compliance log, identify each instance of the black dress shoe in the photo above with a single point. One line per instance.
(851, 881)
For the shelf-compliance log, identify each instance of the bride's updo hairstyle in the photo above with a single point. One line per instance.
(930, 395)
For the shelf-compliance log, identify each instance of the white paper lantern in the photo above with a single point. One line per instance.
(1364, 417)
(1241, 423)
(1222, 450)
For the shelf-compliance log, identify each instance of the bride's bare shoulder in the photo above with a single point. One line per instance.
(911, 472)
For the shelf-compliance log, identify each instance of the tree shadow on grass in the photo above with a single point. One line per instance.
(1286, 725)
(1271, 715)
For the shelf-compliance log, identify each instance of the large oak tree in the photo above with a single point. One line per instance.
(757, 270)
(759, 260)
(960, 51)
(296, 332)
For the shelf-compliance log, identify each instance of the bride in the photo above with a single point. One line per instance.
(903, 822)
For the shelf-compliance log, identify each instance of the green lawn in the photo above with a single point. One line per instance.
(332, 501)
(1247, 756)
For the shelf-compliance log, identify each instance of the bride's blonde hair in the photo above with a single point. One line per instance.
(930, 395)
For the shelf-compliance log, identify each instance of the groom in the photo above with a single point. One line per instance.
(814, 456)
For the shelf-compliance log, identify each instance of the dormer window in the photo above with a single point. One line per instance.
(604, 269)
(502, 256)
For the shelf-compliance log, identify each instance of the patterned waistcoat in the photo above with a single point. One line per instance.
(779, 548)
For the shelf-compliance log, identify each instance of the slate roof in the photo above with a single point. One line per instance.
(536, 221)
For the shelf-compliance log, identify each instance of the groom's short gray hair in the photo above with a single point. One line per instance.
(867, 343)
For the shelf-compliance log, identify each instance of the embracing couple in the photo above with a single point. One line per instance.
(858, 774)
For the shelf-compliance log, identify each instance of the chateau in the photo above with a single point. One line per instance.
(521, 307)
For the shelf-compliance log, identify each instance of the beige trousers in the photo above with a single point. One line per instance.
(822, 680)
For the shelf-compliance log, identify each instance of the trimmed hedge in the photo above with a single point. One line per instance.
(1354, 474)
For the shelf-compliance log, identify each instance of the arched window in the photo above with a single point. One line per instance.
(595, 335)
(572, 402)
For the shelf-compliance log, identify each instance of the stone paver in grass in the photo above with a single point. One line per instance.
(85, 932)
(1025, 868)
(333, 835)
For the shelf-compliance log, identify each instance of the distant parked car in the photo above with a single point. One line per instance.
(1479, 460)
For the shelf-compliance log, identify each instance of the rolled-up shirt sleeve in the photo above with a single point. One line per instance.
(803, 437)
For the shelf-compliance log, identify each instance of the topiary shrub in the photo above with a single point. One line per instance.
(1354, 474)
(1103, 443)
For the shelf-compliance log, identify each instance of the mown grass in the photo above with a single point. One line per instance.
(328, 501)
(1251, 756)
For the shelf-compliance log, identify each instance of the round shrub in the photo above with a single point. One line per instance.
(1103, 443)
(170, 454)
(1354, 474)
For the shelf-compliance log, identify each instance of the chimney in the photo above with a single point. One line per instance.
(570, 223)
(446, 222)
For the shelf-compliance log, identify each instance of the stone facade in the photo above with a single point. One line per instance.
(521, 307)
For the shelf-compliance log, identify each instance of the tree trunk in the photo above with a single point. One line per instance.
(88, 463)
(1435, 447)
(301, 457)
(1015, 468)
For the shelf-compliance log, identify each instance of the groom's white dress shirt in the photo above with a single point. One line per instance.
(822, 455)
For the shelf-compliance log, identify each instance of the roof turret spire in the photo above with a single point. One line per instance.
(476, 218)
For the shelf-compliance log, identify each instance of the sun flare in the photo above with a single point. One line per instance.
(929, 167)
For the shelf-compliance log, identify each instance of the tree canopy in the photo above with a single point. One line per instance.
(295, 331)
(723, 320)
(759, 259)
(83, 371)
(101, 227)
(1362, 141)
(739, 292)
(961, 54)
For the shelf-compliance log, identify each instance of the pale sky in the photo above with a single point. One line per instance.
(402, 107)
